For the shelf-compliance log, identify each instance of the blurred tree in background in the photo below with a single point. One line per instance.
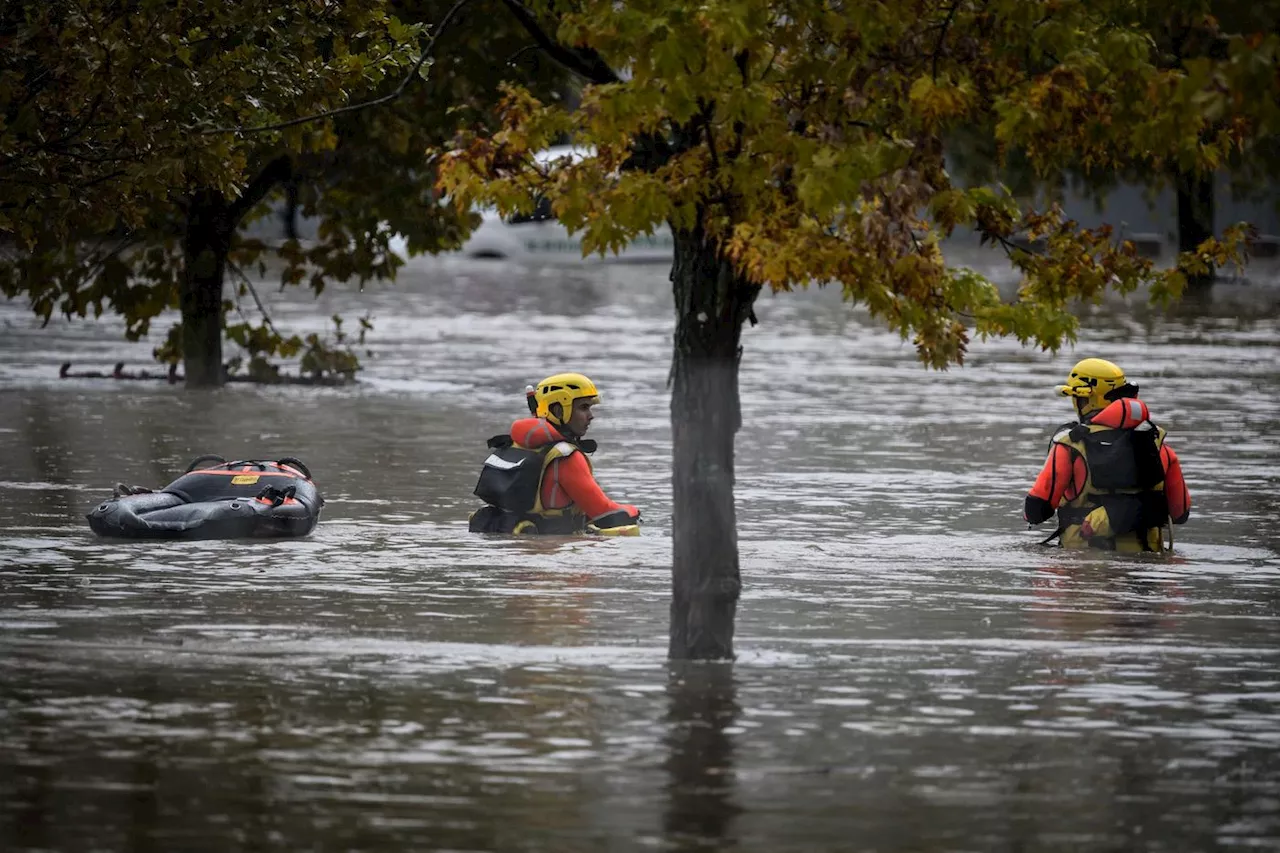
(138, 136)
(1193, 39)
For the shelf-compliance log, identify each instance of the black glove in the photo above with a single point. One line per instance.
(1036, 510)
(617, 518)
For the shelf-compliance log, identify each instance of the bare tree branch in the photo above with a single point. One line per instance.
(942, 37)
(278, 170)
(585, 63)
(511, 60)
(705, 111)
(127, 242)
(266, 318)
(350, 108)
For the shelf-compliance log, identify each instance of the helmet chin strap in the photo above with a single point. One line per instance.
(586, 445)
(560, 423)
(1086, 414)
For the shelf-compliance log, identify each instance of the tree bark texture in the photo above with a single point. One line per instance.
(1195, 217)
(205, 245)
(212, 220)
(712, 302)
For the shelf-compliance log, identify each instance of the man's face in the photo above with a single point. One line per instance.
(581, 417)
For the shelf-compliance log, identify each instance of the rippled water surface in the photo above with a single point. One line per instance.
(915, 672)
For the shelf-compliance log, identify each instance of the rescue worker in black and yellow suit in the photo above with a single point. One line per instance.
(1112, 479)
(539, 479)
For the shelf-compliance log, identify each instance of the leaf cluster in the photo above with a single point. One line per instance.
(115, 116)
(110, 128)
(807, 141)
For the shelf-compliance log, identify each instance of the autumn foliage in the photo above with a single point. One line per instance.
(808, 141)
(796, 143)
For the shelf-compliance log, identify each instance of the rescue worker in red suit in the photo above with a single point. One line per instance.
(539, 479)
(1113, 481)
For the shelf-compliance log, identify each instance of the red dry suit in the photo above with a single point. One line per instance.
(568, 481)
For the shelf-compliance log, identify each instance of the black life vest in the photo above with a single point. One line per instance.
(1125, 475)
(511, 482)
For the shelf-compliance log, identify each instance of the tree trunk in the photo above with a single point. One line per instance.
(712, 302)
(212, 221)
(205, 246)
(291, 207)
(1195, 217)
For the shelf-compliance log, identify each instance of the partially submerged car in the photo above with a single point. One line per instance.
(539, 237)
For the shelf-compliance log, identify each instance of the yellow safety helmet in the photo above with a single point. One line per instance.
(563, 388)
(1093, 382)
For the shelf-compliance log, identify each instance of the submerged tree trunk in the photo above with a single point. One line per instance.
(205, 247)
(1195, 217)
(292, 205)
(712, 303)
(212, 220)
(702, 708)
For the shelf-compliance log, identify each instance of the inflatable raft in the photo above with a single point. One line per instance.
(216, 499)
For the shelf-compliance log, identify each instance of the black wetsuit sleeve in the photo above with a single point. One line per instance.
(1036, 510)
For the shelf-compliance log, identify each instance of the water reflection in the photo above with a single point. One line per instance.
(1109, 598)
(915, 672)
(43, 430)
(702, 711)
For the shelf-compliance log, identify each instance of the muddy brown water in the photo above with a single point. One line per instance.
(914, 671)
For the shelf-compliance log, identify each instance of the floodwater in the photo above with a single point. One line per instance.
(915, 672)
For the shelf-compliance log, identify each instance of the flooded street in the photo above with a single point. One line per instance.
(915, 672)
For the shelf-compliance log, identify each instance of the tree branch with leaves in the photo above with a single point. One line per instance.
(836, 177)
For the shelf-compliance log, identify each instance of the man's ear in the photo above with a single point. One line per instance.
(557, 410)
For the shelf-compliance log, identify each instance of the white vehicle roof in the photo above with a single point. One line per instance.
(573, 153)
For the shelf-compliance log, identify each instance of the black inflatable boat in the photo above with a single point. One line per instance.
(216, 499)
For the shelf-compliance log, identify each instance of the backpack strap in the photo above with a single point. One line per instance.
(1054, 535)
